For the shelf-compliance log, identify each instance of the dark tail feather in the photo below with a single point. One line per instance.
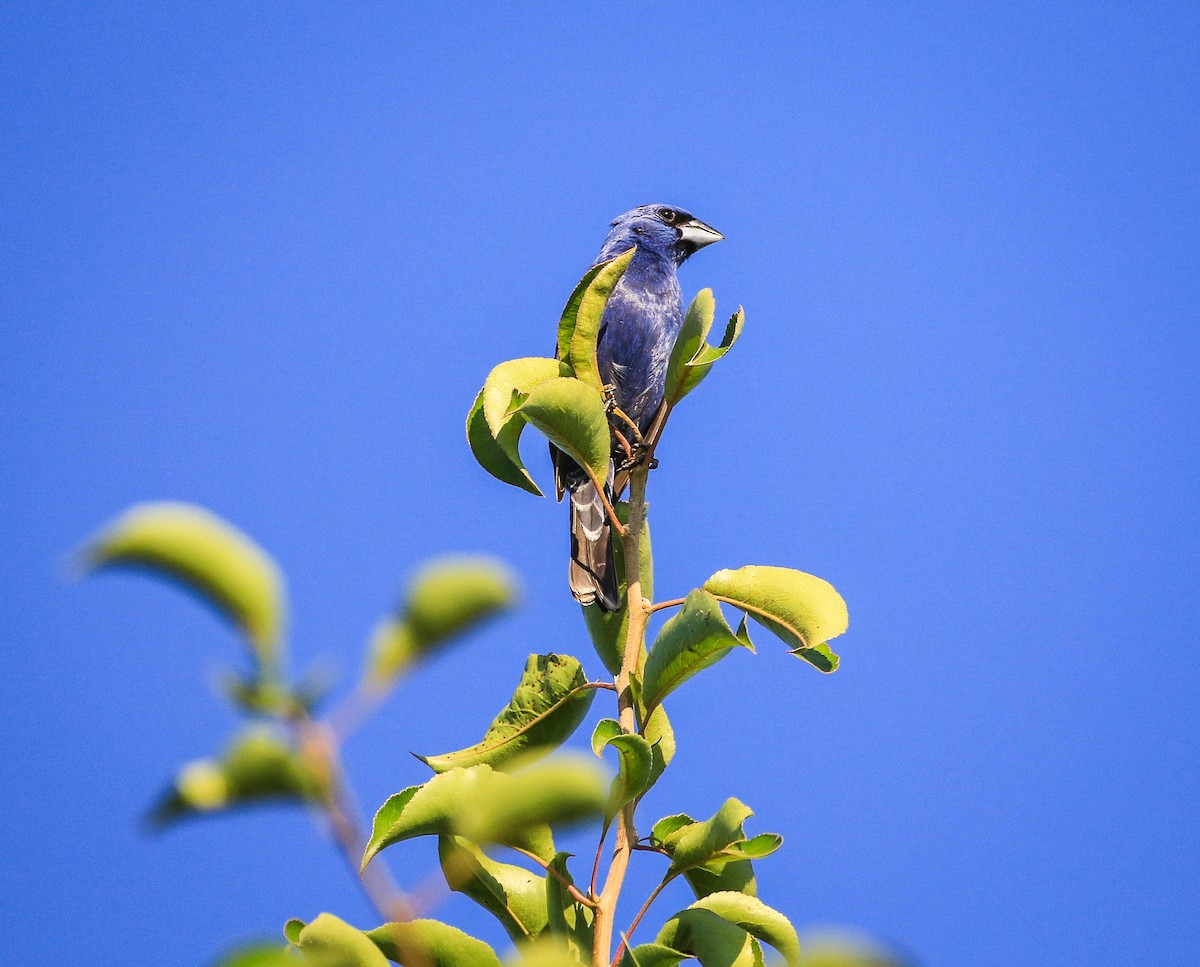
(592, 573)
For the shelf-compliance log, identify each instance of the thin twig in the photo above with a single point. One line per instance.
(673, 603)
(599, 851)
(567, 884)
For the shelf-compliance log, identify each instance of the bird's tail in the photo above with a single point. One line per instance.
(592, 573)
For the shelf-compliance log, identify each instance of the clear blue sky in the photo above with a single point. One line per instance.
(262, 256)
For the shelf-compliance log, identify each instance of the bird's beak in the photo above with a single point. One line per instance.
(695, 234)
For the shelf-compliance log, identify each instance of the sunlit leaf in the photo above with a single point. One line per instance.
(803, 610)
(331, 942)
(549, 703)
(608, 629)
(446, 599)
(207, 555)
(692, 640)
(566, 322)
(696, 843)
(692, 333)
(513, 895)
(736, 876)
(582, 347)
(453, 803)
(499, 454)
(516, 377)
(266, 954)
(711, 939)
(698, 367)
(431, 943)
(635, 761)
(661, 737)
(550, 950)
(605, 730)
(258, 767)
(757, 919)
(571, 414)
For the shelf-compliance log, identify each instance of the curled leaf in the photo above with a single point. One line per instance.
(581, 351)
(571, 414)
(803, 610)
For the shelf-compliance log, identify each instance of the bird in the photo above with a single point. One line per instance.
(637, 333)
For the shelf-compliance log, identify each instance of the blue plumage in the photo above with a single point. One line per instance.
(637, 332)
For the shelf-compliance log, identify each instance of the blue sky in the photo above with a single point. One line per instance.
(261, 257)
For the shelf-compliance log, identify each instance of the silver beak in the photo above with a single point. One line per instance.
(695, 234)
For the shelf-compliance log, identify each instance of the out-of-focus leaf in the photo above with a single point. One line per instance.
(547, 951)
(453, 803)
(692, 640)
(803, 610)
(516, 377)
(696, 843)
(431, 943)
(446, 599)
(736, 876)
(550, 701)
(513, 895)
(609, 629)
(499, 454)
(571, 414)
(570, 922)
(845, 950)
(331, 942)
(711, 939)
(264, 954)
(258, 767)
(757, 919)
(582, 347)
(561, 791)
(207, 555)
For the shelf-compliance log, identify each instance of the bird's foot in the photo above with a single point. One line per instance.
(639, 453)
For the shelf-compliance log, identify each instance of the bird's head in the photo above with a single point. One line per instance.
(662, 230)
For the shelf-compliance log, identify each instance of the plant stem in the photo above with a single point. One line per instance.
(641, 913)
(318, 746)
(639, 611)
(673, 603)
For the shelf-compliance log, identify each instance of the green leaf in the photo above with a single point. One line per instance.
(712, 940)
(719, 876)
(582, 353)
(661, 737)
(571, 414)
(634, 764)
(551, 951)
(665, 829)
(696, 843)
(571, 923)
(449, 804)
(692, 640)
(803, 610)
(206, 555)
(258, 767)
(652, 955)
(692, 357)
(330, 942)
(757, 919)
(566, 322)
(550, 701)
(561, 791)
(692, 333)
(498, 454)
(513, 895)
(516, 377)
(259, 955)
(431, 943)
(605, 730)
(608, 629)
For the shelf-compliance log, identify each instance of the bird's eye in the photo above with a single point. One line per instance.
(667, 215)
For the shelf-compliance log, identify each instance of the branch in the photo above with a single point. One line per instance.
(673, 603)
(567, 884)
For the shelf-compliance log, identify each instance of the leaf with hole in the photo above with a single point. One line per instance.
(550, 701)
